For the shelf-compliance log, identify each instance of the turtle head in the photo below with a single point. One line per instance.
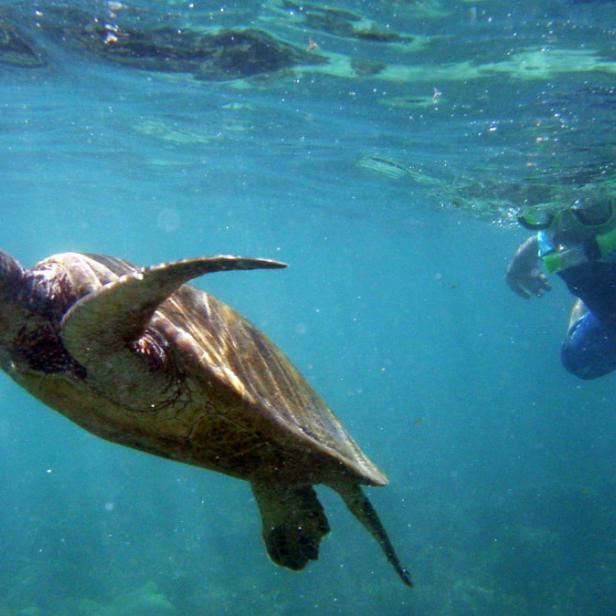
(12, 276)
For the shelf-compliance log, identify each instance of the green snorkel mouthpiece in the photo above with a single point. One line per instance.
(560, 260)
(592, 250)
(606, 242)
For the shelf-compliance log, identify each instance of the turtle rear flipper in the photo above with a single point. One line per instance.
(362, 509)
(294, 523)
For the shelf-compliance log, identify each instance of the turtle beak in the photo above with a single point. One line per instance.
(11, 273)
(11, 278)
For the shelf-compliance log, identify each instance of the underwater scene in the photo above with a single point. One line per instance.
(385, 152)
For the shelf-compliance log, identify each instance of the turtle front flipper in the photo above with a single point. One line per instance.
(99, 329)
(294, 523)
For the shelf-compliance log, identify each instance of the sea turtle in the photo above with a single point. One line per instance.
(140, 358)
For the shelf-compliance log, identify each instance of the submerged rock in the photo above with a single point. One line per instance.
(226, 54)
(16, 49)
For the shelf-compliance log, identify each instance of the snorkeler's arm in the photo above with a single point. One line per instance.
(524, 275)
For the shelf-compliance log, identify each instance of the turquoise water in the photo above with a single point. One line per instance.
(388, 177)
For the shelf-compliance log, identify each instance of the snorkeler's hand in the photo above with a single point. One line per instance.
(524, 276)
(527, 282)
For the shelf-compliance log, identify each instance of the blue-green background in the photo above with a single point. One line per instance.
(502, 498)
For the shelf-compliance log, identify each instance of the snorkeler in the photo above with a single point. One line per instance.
(578, 244)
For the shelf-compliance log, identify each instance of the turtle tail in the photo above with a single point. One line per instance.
(362, 509)
(293, 523)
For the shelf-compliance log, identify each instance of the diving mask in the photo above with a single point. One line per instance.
(584, 213)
